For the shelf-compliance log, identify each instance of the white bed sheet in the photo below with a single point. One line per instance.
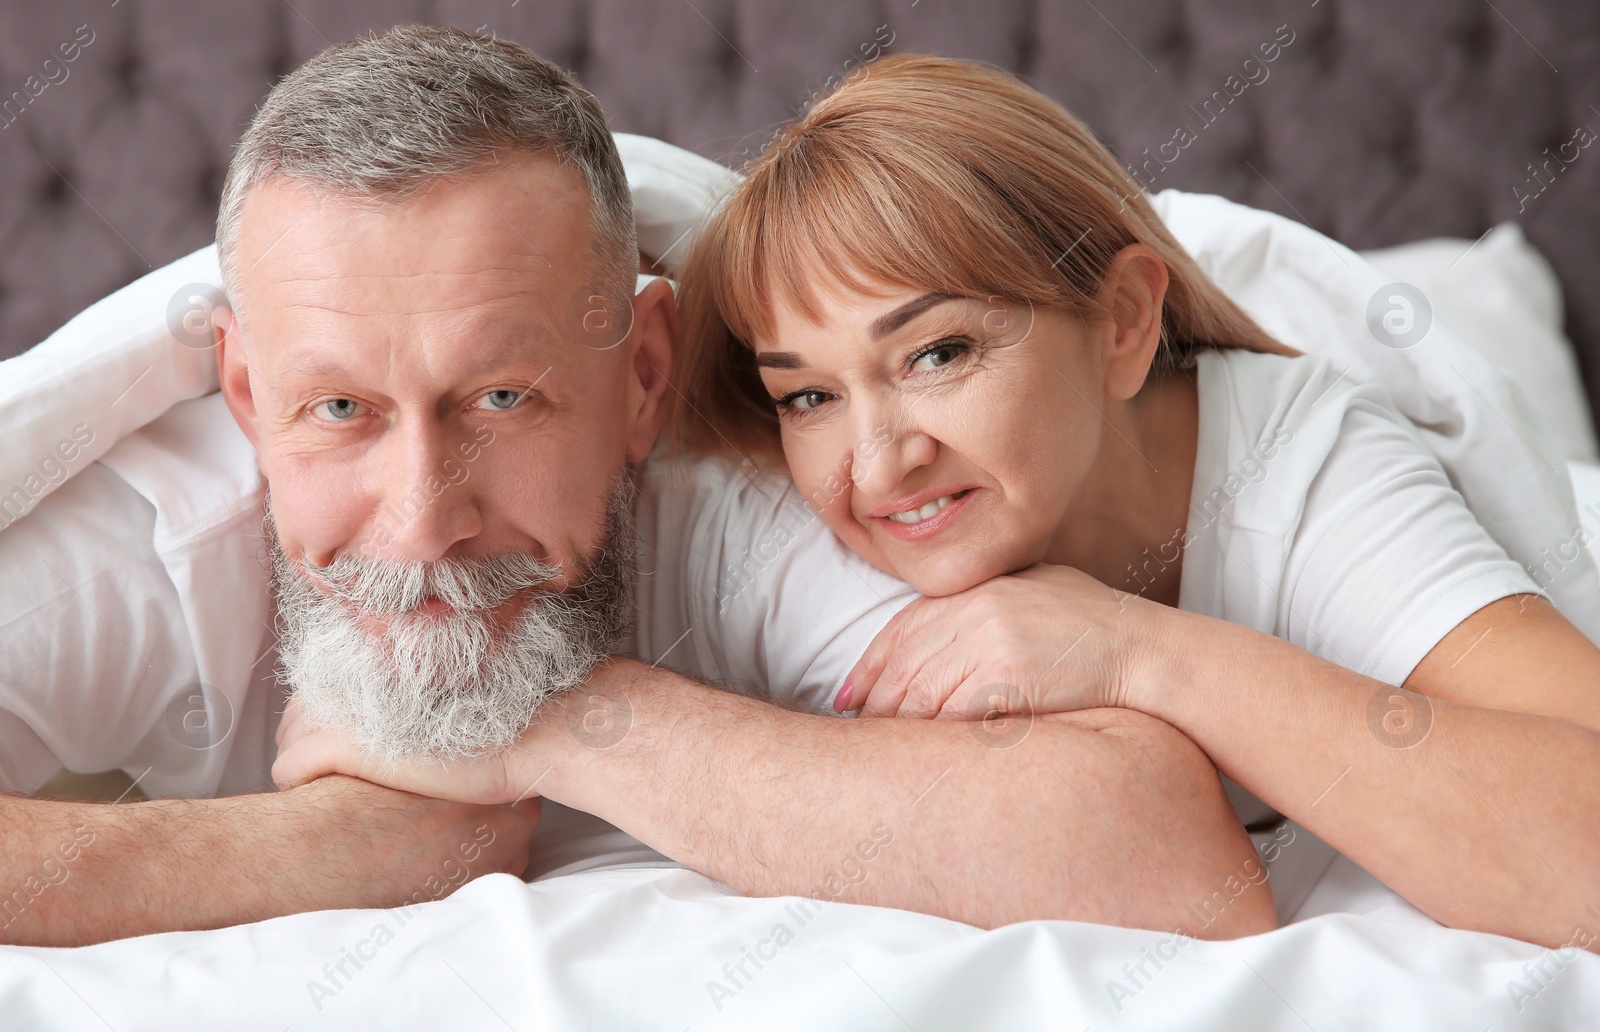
(641, 947)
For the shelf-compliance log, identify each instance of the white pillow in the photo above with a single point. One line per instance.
(105, 374)
(1586, 490)
(1502, 297)
(673, 190)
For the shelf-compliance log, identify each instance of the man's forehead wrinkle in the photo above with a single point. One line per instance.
(387, 311)
(451, 250)
(494, 342)
(364, 294)
(518, 272)
(321, 359)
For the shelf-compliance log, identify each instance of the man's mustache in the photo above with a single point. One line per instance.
(385, 588)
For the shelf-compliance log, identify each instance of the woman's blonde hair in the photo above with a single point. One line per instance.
(924, 173)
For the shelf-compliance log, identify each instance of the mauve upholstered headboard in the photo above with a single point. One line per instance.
(1376, 121)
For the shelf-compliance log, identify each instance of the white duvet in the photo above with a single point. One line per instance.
(661, 949)
(602, 941)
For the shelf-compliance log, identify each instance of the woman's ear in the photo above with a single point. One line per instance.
(655, 332)
(1135, 288)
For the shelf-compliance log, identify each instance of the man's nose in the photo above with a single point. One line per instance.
(426, 504)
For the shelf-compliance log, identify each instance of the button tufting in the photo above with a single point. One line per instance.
(1477, 40)
(57, 190)
(125, 72)
(729, 62)
(281, 63)
(1176, 41)
(1328, 46)
(209, 184)
(1406, 153)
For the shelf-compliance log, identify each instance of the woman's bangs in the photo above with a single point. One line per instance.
(819, 231)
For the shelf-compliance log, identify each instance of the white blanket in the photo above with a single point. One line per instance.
(660, 949)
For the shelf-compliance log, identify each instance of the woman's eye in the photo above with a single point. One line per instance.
(938, 356)
(501, 400)
(339, 410)
(803, 401)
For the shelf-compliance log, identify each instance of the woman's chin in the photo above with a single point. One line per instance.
(930, 571)
(936, 576)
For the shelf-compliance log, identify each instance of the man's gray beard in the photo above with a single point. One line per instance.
(447, 687)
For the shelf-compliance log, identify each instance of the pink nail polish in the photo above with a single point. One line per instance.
(841, 702)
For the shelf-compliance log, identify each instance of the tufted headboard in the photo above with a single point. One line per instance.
(1375, 121)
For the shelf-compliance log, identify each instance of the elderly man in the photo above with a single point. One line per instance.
(454, 397)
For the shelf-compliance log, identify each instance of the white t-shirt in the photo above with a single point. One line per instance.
(743, 583)
(1318, 516)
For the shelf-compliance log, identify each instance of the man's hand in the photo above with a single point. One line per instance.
(306, 753)
(370, 846)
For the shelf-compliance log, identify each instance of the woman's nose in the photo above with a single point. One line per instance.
(886, 452)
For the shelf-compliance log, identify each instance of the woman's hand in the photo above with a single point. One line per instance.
(306, 753)
(1046, 640)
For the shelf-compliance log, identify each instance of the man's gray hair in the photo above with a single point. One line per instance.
(385, 116)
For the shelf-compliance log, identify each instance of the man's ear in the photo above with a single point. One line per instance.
(233, 370)
(655, 333)
(1134, 291)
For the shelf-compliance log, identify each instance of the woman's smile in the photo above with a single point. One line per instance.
(922, 515)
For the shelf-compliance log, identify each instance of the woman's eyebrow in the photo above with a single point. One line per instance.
(779, 360)
(881, 328)
(887, 324)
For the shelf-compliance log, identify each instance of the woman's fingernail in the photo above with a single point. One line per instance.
(841, 702)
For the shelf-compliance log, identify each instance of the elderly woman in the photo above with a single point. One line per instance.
(943, 309)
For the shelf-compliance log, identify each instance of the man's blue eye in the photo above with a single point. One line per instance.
(502, 399)
(339, 409)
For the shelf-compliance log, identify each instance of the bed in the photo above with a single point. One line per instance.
(610, 935)
(606, 936)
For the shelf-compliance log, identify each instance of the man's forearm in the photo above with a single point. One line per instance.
(79, 873)
(981, 823)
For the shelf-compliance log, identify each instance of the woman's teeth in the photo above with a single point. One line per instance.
(925, 513)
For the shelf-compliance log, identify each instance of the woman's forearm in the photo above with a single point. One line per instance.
(1483, 819)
